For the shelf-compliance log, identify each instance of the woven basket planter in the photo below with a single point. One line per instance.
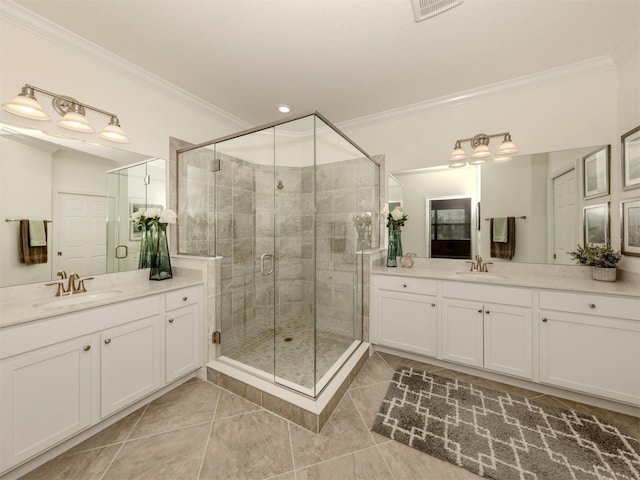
(604, 274)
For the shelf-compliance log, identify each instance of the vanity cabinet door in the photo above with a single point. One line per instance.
(462, 331)
(588, 353)
(408, 322)
(130, 363)
(182, 340)
(508, 340)
(45, 398)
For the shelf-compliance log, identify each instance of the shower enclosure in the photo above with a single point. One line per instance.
(288, 208)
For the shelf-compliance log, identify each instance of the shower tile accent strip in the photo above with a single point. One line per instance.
(293, 413)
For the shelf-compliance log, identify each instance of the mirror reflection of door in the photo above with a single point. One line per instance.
(450, 227)
(564, 217)
(82, 234)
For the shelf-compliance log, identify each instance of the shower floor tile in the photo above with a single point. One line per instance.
(291, 355)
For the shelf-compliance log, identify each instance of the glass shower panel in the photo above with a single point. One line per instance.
(294, 359)
(244, 210)
(129, 189)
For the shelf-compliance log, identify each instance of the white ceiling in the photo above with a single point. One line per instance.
(345, 58)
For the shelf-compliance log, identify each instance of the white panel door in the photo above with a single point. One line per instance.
(564, 217)
(82, 234)
(130, 363)
(45, 398)
(408, 322)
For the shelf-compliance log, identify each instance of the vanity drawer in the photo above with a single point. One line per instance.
(182, 298)
(591, 304)
(522, 297)
(423, 286)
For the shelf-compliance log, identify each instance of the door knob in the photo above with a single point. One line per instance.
(86, 348)
(544, 319)
(171, 320)
(592, 305)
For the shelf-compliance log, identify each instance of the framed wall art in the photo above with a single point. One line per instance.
(596, 173)
(631, 227)
(596, 224)
(631, 159)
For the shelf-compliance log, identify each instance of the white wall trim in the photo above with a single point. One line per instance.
(23, 18)
(16, 14)
(539, 79)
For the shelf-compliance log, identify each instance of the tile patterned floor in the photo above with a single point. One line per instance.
(202, 432)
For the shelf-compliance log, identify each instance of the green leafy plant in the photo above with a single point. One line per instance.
(596, 256)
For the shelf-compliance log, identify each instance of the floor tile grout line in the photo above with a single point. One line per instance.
(362, 418)
(378, 445)
(206, 443)
(361, 387)
(125, 440)
(344, 455)
(293, 458)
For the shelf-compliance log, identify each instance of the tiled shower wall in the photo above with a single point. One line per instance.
(244, 194)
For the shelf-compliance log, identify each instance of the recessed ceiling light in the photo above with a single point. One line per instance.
(284, 108)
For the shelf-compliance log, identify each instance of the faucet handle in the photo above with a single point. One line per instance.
(62, 274)
(81, 287)
(473, 265)
(484, 266)
(72, 287)
(60, 285)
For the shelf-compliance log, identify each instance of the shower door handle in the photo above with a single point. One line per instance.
(262, 269)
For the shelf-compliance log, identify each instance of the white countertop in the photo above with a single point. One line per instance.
(25, 304)
(562, 279)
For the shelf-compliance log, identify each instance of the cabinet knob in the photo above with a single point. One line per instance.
(592, 305)
(171, 320)
(404, 285)
(184, 299)
(487, 312)
(433, 304)
(107, 341)
(86, 348)
(545, 319)
(479, 310)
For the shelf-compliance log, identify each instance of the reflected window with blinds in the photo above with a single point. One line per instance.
(450, 227)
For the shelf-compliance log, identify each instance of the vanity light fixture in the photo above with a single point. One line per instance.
(481, 153)
(72, 111)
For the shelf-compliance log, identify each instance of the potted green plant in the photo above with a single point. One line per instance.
(601, 258)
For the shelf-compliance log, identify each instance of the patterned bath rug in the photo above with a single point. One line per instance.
(503, 436)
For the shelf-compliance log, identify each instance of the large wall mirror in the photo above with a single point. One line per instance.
(84, 192)
(543, 192)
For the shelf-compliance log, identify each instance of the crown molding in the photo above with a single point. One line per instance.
(18, 15)
(546, 77)
(40, 26)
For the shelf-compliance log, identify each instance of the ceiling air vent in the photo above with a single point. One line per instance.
(423, 9)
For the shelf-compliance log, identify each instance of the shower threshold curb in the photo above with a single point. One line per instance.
(302, 410)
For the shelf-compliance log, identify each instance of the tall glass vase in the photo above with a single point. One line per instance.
(144, 260)
(395, 247)
(160, 261)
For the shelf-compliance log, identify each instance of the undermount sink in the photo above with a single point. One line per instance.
(482, 275)
(77, 299)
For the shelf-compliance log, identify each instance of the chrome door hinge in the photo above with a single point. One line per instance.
(215, 165)
(215, 337)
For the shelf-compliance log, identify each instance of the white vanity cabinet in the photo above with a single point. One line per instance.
(488, 326)
(406, 314)
(183, 332)
(129, 363)
(591, 343)
(63, 374)
(45, 397)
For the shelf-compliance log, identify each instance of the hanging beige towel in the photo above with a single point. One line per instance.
(37, 233)
(504, 250)
(28, 254)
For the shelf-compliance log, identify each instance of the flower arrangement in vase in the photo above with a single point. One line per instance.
(602, 258)
(154, 246)
(395, 219)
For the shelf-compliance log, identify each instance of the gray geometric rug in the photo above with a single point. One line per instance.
(503, 436)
